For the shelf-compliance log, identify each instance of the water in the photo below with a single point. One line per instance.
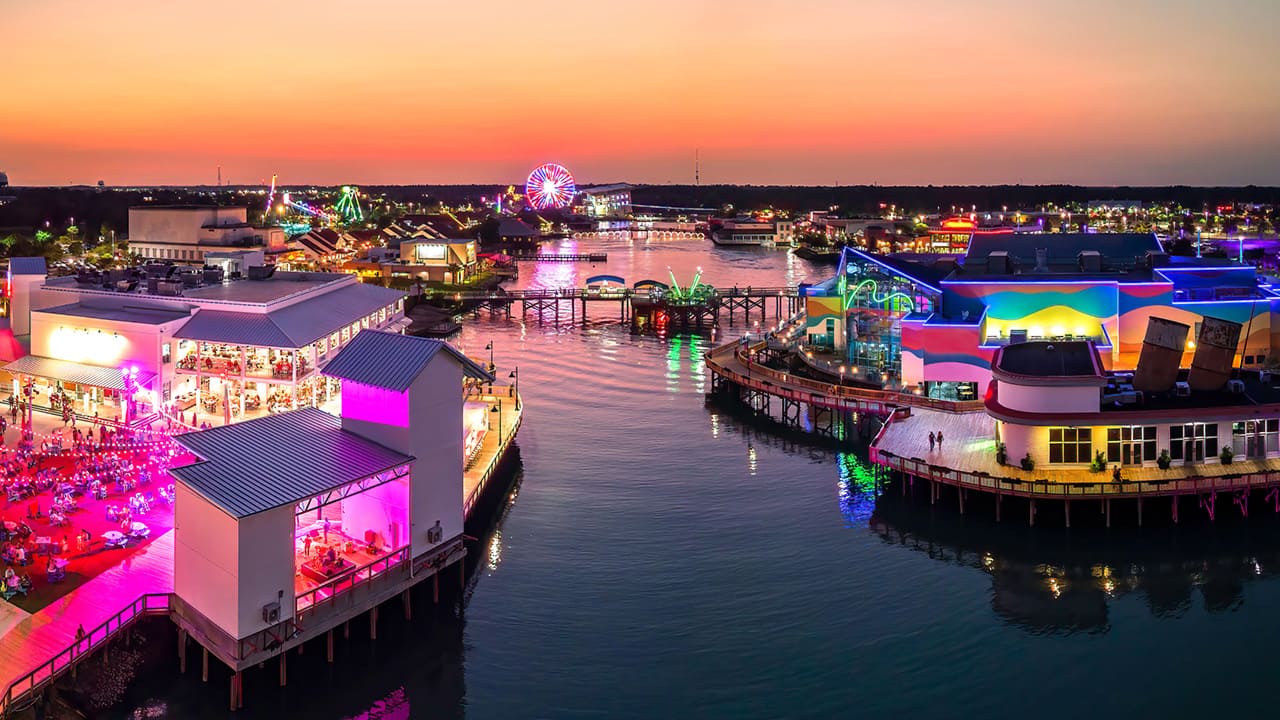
(662, 559)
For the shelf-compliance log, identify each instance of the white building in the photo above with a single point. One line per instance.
(192, 341)
(290, 524)
(604, 201)
(186, 233)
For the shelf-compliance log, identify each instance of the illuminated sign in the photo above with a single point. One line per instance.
(423, 251)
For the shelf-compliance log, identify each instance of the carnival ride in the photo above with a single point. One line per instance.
(874, 294)
(349, 204)
(696, 293)
(550, 187)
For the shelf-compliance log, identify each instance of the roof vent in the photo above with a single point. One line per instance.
(1042, 260)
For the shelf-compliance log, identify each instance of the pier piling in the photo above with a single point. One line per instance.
(204, 664)
(329, 645)
(1067, 508)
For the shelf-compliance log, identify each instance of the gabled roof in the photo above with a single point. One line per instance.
(392, 362)
(1115, 246)
(74, 372)
(257, 465)
(28, 266)
(292, 326)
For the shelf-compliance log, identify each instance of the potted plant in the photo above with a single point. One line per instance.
(1226, 455)
(1002, 455)
(1099, 463)
(1164, 461)
(1027, 463)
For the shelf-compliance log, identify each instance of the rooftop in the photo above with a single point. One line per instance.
(258, 465)
(392, 361)
(28, 266)
(1116, 246)
(277, 287)
(1048, 359)
(142, 316)
(292, 326)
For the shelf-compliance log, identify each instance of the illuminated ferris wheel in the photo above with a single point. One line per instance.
(550, 186)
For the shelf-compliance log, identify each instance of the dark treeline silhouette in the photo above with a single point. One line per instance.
(93, 207)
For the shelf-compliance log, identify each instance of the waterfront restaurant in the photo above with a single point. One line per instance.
(291, 523)
(933, 327)
(198, 344)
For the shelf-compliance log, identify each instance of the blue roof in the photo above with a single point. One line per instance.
(269, 462)
(391, 361)
(28, 266)
(293, 326)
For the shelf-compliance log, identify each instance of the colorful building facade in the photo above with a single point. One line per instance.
(934, 327)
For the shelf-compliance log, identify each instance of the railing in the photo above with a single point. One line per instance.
(50, 670)
(313, 600)
(470, 501)
(587, 294)
(785, 384)
(1044, 487)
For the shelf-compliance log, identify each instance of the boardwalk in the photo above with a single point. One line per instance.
(492, 449)
(32, 641)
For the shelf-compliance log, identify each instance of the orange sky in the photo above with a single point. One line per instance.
(770, 91)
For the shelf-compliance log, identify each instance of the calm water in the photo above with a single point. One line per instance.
(661, 559)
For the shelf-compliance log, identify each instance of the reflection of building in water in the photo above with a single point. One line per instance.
(1066, 585)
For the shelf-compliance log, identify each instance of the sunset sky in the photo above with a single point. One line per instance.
(769, 91)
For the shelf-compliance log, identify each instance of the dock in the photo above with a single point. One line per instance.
(563, 257)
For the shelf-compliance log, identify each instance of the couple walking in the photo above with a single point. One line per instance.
(935, 439)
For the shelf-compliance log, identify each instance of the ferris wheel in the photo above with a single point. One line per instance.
(550, 186)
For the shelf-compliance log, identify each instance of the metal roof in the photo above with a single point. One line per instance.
(293, 326)
(103, 377)
(28, 266)
(390, 361)
(269, 462)
(140, 315)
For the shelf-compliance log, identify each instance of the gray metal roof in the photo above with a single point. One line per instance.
(293, 326)
(269, 462)
(143, 316)
(103, 377)
(392, 361)
(28, 266)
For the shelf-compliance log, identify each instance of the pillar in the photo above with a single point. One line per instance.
(1106, 504)
(999, 497)
(204, 664)
(1031, 513)
(346, 630)
(1175, 509)
(329, 644)
(373, 623)
(1067, 507)
(1139, 512)
(435, 588)
(961, 496)
(407, 600)
(284, 665)
(182, 650)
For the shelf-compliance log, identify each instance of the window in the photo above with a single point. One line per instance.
(166, 353)
(1131, 445)
(1193, 441)
(1070, 445)
(1255, 438)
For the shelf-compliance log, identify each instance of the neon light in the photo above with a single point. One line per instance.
(349, 204)
(874, 294)
(550, 186)
(891, 269)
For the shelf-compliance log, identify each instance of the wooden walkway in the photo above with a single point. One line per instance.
(30, 643)
(492, 448)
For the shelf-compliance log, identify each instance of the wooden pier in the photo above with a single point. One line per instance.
(37, 649)
(572, 303)
(597, 257)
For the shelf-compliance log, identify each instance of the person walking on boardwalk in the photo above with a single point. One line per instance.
(931, 441)
(939, 439)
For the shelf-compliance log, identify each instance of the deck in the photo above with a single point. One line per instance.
(967, 458)
(30, 643)
(493, 448)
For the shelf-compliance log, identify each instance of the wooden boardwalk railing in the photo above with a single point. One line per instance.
(21, 689)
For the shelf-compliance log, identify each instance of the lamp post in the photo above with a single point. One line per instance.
(515, 375)
(498, 409)
(489, 347)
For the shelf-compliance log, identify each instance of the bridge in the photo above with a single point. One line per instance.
(776, 301)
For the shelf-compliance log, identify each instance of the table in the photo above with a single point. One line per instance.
(315, 570)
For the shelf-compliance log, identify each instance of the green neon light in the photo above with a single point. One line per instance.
(875, 296)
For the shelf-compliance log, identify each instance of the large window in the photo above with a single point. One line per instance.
(1193, 441)
(1255, 438)
(1070, 445)
(1131, 445)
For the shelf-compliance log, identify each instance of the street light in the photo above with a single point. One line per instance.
(498, 409)
(489, 347)
(515, 375)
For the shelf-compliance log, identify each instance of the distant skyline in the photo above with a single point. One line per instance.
(806, 92)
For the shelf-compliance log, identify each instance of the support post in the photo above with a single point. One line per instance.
(1031, 513)
(1107, 509)
(1067, 506)
(1175, 509)
(182, 650)
(284, 665)
(961, 496)
(204, 664)
(435, 588)
(999, 497)
(329, 644)
(373, 623)
(1139, 512)
(407, 601)
(346, 630)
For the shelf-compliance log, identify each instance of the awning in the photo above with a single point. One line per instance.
(73, 372)
(400, 324)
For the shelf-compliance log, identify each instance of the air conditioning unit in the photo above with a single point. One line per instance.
(1235, 386)
(271, 612)
(435, 534)
(1181, 389)
(1264, 377)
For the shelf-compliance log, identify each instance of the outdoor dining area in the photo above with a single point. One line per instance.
(69, 501)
